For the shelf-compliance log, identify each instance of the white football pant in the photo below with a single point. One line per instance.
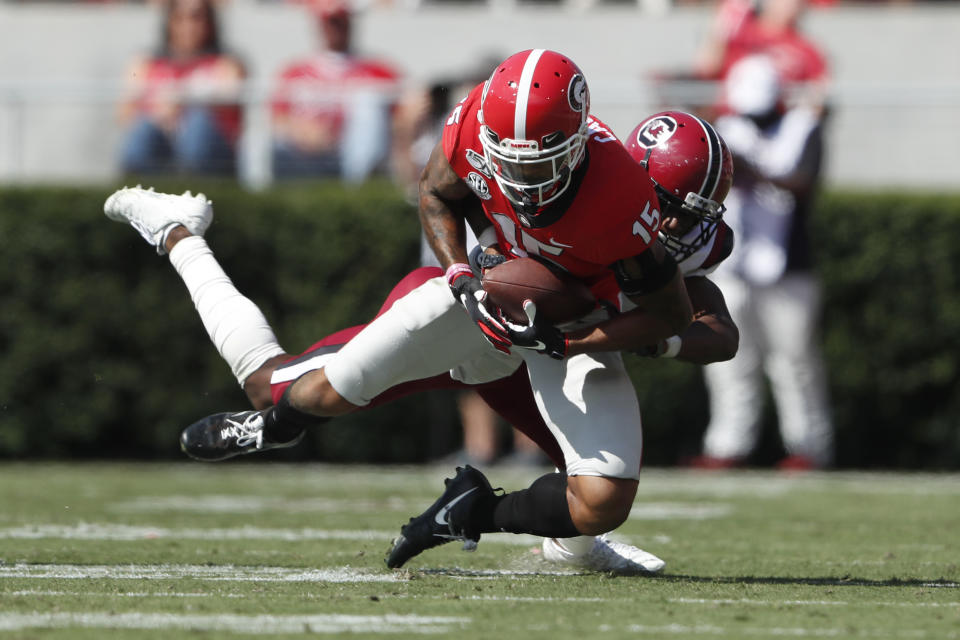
(778, 336)
(588, 401)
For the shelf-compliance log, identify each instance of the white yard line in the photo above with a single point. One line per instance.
(808, 603)
(244, 574)
(216, 503)
(86, 593)
(253, 624)
(679, 511)
(114, 594)
(772, 484)
(705, 601)
(121, 532)
(408, 624)
(688, 631)
(200, 572)
(107, 531)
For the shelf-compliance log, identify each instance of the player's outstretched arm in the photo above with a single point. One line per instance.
(712, 336)
(655, 284)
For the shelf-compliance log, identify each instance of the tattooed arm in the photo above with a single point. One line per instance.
(445, 203)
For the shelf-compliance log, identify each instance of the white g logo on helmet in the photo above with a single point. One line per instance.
(577, 93)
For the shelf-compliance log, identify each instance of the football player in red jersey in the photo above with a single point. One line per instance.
(593, 418)
(549, 169)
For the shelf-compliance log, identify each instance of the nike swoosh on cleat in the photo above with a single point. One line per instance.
(441, 515)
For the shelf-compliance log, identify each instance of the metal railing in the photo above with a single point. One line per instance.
(88, 145)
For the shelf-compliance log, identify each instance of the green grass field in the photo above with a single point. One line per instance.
(245, 550)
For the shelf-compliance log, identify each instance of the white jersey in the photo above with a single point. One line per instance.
(708, 257)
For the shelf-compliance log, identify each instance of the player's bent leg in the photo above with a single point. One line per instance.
(599, 504)
(514, 400)
(257, 385)
(375, 363)
(313, 394)
(377, 358)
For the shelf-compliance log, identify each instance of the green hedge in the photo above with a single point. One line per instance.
(103, 354)
(891, 335)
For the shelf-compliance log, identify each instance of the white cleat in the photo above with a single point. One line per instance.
(604, 555)
(153, 214)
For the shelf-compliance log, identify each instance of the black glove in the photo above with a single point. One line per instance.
(537, 336)
(481, 261)
(467, 290)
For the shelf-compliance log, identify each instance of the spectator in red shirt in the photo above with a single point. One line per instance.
(332, 111)
(769, 27)
(181, 105)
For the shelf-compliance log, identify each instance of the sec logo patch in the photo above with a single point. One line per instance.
(479, 186)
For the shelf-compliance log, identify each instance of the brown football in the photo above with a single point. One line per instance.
(559, 297)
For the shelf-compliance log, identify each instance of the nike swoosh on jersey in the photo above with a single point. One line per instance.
(441, 515)
(560, 244)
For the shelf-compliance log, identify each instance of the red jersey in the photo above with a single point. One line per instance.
(312, 87)
(613, 215)
(796, 58)
(166, 77)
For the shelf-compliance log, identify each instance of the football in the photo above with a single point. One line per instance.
(559, 297)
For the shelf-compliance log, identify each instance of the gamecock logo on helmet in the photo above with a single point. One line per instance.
(656, 132)
(577, 93)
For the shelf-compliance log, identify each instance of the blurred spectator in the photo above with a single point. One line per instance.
(768, 281)
(486, 440)
(420, 117)
(332, 111)
(769, 27)
(181, 106)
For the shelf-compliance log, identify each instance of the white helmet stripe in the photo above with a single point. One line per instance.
(714, 163)
(523, 94)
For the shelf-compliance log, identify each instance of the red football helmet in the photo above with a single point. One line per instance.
(691, 169)
(533, 127)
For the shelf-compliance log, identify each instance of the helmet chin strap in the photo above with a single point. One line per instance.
(533, 216)
(646, 159)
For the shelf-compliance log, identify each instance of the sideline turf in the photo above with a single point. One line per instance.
(247, 550)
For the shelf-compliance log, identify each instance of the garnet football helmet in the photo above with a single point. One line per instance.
(533, 127)
(691, 169)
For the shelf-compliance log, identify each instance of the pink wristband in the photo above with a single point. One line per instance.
(456, 270)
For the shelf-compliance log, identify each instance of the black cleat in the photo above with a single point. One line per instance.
(225, 435)
(445, 520)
